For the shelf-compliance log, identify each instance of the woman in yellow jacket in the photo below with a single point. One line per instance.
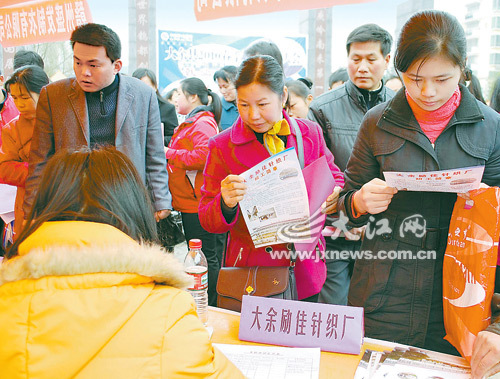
(84, 293)
(24, 86)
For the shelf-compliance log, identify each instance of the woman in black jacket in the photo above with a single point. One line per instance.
(435, 124)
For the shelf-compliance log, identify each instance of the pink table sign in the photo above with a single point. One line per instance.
(334, 328)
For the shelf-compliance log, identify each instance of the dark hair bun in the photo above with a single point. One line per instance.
(307, 82)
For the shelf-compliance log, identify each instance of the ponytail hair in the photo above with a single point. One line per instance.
(195, 86)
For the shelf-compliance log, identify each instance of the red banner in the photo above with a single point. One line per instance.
(212, 9)
(45, 21)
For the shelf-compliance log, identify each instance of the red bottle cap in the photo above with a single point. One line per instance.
(195, 243)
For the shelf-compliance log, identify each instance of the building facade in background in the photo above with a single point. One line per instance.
(482, 28)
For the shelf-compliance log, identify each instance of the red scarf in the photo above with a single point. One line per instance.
(434, 122)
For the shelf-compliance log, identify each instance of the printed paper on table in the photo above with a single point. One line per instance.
(273, 361)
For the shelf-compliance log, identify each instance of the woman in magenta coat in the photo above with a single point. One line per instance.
(261, 97)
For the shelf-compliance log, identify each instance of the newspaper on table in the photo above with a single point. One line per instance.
(276, 201)
(411, 363)
(368, 364)
(457, 180)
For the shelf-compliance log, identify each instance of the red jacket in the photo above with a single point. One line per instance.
(234, 151)
(186, 157)
(14, 154)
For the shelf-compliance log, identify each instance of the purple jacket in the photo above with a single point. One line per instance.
(234, 151)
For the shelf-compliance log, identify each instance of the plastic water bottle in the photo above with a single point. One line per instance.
(195, 264)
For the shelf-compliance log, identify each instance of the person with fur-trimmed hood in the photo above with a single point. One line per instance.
(86, 292)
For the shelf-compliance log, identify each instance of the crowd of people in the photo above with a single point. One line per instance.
(100, 158)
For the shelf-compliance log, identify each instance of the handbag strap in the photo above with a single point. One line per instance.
(300, 153)
(223, 263)
(300, 143)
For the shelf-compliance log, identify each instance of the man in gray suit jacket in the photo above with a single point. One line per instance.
(100, 107)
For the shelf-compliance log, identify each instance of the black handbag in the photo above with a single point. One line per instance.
(170, 231)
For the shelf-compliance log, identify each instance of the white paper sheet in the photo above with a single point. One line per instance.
(273, 361)
(7, 217)
(276, 200)
(7, 198)
(457, 180)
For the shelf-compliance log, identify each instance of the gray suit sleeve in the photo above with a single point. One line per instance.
(156, 164)
(42, 148)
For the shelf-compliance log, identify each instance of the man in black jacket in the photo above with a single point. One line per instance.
(340, 112)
